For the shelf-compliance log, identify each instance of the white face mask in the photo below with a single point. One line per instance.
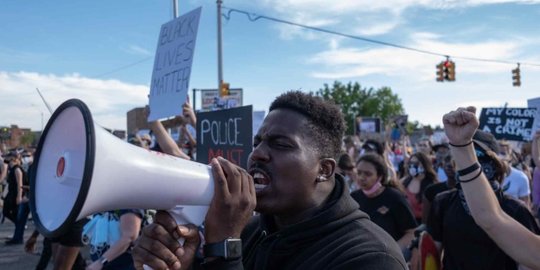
(27, 160)
(415, 171)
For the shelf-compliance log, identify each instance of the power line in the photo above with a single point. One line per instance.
(123, 67)
(254, 17)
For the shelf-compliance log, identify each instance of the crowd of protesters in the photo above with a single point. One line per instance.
(395, 186)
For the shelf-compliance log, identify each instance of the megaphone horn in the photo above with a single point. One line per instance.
(81, 169)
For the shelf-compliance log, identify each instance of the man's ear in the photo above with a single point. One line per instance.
(328, 167)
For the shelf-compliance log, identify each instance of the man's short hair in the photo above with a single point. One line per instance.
(325, 119)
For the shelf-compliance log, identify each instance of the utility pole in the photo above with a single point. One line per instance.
(175, 8)
(220, 60)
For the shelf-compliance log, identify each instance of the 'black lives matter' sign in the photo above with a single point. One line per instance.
(513, 124)
(226, 133)
(172, 65)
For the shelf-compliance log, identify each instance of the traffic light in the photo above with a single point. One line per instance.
(223, 89)
(440, 72)
(516, 77)
(450, 70)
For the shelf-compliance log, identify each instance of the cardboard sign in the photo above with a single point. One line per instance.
(513, 124)
(368, 125)
(172, 66)
(226, 133)
(535, 103)
(210, 100)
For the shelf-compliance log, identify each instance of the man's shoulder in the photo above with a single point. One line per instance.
(367, 240)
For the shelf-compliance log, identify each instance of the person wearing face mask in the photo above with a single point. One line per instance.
(421, 175)
(383, 200)
(17, 195)
(442, 151)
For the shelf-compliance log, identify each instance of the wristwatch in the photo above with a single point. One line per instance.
(228, 249)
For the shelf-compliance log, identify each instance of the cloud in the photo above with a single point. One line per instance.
(108, 100)
(348, 62)
(134, 49)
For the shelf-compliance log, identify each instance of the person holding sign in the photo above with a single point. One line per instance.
(515, 238)
(307, 218)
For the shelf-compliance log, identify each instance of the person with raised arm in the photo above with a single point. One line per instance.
(513, 238)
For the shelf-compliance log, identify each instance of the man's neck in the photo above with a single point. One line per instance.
(319, 199)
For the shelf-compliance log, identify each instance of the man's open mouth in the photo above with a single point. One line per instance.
(260, 179)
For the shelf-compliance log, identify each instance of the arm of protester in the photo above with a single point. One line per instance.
(3, 171)
(406, 239)
(189, 114)
(19, 178)
(30, 245)
(188, 135)
(167, 144)
(130, 224)
(159, 248)
(513, 238)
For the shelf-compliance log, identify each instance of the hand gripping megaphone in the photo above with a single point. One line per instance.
(80, 169)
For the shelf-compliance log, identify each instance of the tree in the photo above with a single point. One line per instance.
(27, 139)
(357, 101)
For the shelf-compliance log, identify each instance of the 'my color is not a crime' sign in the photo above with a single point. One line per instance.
(514, 124)
(227, 133)
(172, 66)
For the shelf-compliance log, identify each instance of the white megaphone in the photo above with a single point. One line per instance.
(81, 169)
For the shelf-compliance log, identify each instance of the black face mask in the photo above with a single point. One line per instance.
(486, 163)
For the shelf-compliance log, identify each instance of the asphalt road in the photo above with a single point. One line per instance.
(14, 257)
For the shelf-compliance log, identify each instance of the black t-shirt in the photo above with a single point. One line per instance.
(465, 244)
(390, 210)
(432, 190)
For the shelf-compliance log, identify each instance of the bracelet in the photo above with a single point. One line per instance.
(460, 145)
(469, 169)
(469, 180)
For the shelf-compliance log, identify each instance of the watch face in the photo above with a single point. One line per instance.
(233, 249)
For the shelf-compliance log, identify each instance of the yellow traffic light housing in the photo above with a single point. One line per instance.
(224, 89)
(516, 77)
(440, 72)
(451, 71)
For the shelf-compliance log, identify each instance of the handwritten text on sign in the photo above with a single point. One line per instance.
(226, 133)
(172, 65)
(508, 123)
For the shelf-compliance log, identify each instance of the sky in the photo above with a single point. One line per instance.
(102, 52)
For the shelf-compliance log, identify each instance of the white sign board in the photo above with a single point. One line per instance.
(535, 103)
(210, 100)
(172, 66)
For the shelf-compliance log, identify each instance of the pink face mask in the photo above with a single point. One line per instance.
(373, 189)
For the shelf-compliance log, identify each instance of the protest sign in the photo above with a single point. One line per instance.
(535, 103)
(368, 125)
(210, 99)
(227, 133)
(513, 124)
(172, 66)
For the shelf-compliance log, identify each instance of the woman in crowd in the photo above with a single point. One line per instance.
(383, 200)
(510, 235)
(421, 175)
